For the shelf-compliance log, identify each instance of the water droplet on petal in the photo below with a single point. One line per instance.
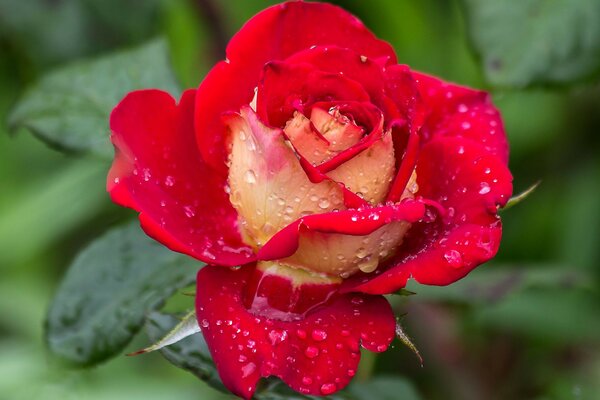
(248, 369)
(324, 203)
(319, 335)
(368, 265)
(250, 176)
(189, 211)
(169, 181)
(453, 258)
(307, 380)
(485, 188)
(328, 388)
(361, 252)
(311, 352)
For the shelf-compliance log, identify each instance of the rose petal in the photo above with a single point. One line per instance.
(281, 31)
(458, 111)
(470, 184)
(269, 187)
(370, 172)
(316, 355)
(158, 172)
(351, 64)
(340, 243)
(286, 87)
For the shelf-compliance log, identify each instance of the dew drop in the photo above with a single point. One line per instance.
(311, 352)
(324, 203)
(328, 388)
(361, 252)
(146, 174)
(319, 335)
(368, 265)
(204, 323)
(248, 370)
(453, 258)
(485, 188)
(250, 177)
(169, 181)
(307, 380)
(189, 212)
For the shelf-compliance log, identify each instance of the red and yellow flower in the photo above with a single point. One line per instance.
(314, 174)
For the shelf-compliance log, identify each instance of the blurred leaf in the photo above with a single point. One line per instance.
(385, 388)
(524, 42)
(107, 291)
(190, 353)
(35, 218)
(69, 108)
(513, 201)
(493, 283)
(563, 316)
(46, 31)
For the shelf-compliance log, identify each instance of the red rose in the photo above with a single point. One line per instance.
(329, 173)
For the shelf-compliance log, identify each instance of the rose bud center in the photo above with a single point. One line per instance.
(270, 188)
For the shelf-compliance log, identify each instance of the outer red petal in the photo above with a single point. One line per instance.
(285, 88)
(158, 171)
(273, 34)
(470, 184)
(349, 222)
(351, 64)
(316, 355)
(458, 111)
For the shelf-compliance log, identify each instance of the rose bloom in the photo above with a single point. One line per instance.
(313, 174)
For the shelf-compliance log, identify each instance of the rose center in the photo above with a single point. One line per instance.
(270, 188)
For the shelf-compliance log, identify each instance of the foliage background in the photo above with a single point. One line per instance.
(531, 331)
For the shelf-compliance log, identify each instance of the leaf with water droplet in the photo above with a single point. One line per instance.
(513, 201)
(69, 108)
(108, 290)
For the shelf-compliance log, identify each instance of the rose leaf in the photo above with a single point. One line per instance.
(525, 42)
(109, 288)
(69, 108)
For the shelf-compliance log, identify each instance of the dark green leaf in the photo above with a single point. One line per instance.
(524, 42)
(384, 388)
(107, 291)
(69, 108)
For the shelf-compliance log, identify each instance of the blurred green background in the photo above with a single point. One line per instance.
(529, 331)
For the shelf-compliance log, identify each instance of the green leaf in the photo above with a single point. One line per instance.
(107, 291)
(190, 354)
(385, 388)
(490, 284)
(523, 42)
(70, 107)
(188, 326)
